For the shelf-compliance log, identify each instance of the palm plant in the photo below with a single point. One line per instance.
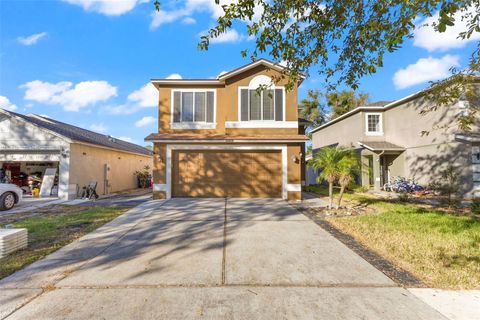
(347, 167)
(327, 160)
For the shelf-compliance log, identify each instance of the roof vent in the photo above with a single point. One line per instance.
(110, 138)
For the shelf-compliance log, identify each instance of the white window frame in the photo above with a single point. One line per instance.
(270, 87)
(374, 133)
(193, 124)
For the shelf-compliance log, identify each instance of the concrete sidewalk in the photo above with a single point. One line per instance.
(207, 258)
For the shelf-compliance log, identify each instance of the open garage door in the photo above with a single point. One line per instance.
(225, 173)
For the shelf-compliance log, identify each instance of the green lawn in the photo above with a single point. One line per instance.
(54, 229)
(440, 248)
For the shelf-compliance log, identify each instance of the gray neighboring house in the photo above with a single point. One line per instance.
(388, 138)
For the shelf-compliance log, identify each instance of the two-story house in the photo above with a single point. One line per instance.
(397, 139)
(225, 137)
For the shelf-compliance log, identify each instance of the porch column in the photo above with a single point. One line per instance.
(376, 173)
(64, 176)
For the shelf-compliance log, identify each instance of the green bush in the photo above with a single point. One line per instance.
(476, 206)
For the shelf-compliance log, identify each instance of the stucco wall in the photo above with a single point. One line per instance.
(425, 164)
(344, 133)
(87, 164)
(227, 105)
(428, 139)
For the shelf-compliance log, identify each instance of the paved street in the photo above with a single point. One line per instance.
(208, 259)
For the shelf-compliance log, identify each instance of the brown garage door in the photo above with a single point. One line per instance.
(222, 173)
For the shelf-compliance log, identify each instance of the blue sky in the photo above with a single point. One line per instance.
(88, 62)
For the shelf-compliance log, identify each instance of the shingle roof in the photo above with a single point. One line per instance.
(81, 135)
(381, 145)
(379, 103)
(222, 137)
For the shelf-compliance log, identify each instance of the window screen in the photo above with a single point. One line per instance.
(373, 123)
(187, 106)
(255, 105)
(264, 105)
(193, 106)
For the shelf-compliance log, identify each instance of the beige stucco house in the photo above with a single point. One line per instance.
(391, 140)
(224, 138)
(31, 144)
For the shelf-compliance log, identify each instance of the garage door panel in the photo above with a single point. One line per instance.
(227, 173)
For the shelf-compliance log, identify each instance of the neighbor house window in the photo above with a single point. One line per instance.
(193, 106)
(261, 105)
(374, 123)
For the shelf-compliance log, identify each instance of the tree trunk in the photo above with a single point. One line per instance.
(330, 194)
(342, 189)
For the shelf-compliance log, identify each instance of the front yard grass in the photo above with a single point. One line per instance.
(52, 229)
(442, 249)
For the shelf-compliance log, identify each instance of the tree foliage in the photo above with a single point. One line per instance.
(332, 163)
(346, 39)
(312, 109)
(348, 167)
(344, 101)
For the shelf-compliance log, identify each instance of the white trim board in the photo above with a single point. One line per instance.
(171, 147)
(380, 120)
(261, 124)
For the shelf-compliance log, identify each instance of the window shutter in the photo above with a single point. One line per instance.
(278, 105)
(176, 106)
(210, 106)
(244, 104)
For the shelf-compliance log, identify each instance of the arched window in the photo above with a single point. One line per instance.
(261, 105)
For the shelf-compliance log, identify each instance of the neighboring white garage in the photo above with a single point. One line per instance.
(31, 144)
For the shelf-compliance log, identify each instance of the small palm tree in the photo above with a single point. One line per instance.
(327, 160)
(347, 167)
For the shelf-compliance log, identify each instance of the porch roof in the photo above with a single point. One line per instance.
(380, 146)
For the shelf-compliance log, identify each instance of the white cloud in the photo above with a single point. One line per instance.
(221, 73)
(163, 17)
(71, 97)
(189, 20)
(6, 104)
(127, 139)
(426, 37)
(107, 7)
(189, 8)
(145, 121)
(122, 109)
(230, 36)
(174, 76)
(98, 127)
(28, 41)
(425, 69)
(146, 96)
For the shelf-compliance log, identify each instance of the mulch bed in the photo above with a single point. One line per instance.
(398, 275)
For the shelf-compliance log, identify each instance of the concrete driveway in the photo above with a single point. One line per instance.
(207, 259)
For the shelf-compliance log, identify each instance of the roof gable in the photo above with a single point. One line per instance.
(76, 134)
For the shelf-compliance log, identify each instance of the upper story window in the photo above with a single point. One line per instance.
(261, 105)
(373, 124)
(193, 108)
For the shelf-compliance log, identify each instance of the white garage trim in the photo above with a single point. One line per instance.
(171, 147)
(296, 187)
(159, 187)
